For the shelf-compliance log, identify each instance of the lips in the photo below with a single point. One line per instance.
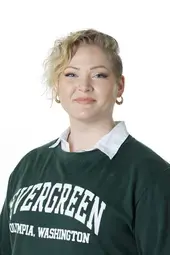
(84, 100)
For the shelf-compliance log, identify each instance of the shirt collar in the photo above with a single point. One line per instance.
(108, 144)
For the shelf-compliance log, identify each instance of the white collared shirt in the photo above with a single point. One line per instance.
(108, 144)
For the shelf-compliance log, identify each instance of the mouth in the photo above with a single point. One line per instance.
(84, 100)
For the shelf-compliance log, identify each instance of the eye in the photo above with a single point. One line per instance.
(101, 75)
(70, 75)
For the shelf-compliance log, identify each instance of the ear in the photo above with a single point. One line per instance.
(56, 89)
(120, 86)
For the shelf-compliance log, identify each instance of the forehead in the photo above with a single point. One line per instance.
(90, 55)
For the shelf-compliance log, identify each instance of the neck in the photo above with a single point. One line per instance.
(85, 135)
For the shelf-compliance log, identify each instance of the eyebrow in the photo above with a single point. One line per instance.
(94, 67)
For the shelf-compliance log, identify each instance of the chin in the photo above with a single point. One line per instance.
(84, 117)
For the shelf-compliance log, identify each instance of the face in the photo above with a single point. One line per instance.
(87, 88)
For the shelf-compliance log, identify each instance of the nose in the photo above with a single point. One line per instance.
(85, 85)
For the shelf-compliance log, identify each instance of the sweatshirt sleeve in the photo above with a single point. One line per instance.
(5, 247)
(152, 220)
(5, 244)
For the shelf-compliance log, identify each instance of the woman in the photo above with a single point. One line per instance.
(95, 189)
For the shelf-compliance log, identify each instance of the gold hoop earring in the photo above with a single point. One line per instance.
(119, 102)
(57, 99)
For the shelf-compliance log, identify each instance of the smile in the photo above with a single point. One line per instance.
(84, 100)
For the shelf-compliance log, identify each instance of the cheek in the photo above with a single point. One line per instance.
(66, 91)
(112, 92)
(107, 93)
(66, 96)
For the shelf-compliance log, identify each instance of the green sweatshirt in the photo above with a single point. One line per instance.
(84, 203)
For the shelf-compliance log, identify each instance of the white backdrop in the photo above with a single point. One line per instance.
(27, 31)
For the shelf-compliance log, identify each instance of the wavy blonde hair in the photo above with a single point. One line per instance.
(64, 49)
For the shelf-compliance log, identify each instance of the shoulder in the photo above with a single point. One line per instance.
(145, 156)
(41, 150)
(147, 169)
(33, 157)
(140, 170)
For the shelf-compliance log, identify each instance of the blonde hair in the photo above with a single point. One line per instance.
(64, 49)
